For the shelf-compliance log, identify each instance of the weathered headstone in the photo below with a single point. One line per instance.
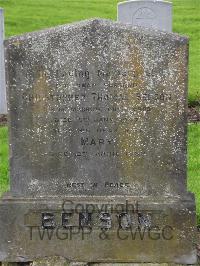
(146, 13)
(98, 146)
(3, 103)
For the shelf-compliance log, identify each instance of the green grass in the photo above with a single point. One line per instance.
(187, 21)
(193, 162)
(4, 180)
(30, 15)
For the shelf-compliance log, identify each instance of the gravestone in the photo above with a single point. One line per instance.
(146, 13)
(98, 117)
(3, 103)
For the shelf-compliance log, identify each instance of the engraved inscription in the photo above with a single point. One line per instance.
(144, 13)
(144, 16)
(144, 220)
(85, 219)
(104, 221)
(125, 220)
(48, 220)
(66, 219)
(73, 116)
(100, 121)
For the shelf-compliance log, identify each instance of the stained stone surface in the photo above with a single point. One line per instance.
(98, 146)
(15, 264)
(62, 262)
(52, 261)
(78, 264)
(97, 108)
(136, 264)
(146, 13)
(160, 230)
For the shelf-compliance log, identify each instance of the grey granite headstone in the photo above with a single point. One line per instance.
(3, 103)
(146, 13)
(98, 117)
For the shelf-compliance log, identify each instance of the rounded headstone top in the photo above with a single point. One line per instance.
(146, 13)
(145, 1)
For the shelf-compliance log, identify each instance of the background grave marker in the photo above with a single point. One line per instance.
(146, 13)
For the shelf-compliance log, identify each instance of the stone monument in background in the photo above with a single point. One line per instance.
(98, 118)
(146, 13)
(3, 102)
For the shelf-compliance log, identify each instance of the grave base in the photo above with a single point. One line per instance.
(160, 231)
(52, 262)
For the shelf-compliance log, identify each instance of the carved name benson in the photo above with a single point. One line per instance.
(86, 219)
(133, 225)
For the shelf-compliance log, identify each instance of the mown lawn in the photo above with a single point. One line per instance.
(4, 180)
(30, 15)
(193, 162)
